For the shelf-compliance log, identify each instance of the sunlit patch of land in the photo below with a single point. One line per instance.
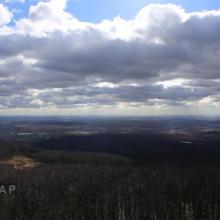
(20, 162)
(80, 132)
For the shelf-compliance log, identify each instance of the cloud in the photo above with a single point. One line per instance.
(5, 15)
(164, 56)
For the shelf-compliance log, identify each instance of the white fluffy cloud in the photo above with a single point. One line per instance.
(5, 15)
(163, 57)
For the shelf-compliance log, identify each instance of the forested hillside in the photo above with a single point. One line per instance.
(84, 186)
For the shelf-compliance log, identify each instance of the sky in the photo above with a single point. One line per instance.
(118, 57)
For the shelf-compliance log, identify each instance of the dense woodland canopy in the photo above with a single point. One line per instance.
(84, 186)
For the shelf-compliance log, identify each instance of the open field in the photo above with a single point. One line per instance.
(20, 162)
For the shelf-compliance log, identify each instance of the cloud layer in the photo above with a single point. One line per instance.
(163, 57)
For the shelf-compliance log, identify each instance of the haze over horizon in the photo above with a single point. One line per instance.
(59, 57)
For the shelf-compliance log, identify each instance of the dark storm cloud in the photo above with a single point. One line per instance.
(114, 60)
(14, 44)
